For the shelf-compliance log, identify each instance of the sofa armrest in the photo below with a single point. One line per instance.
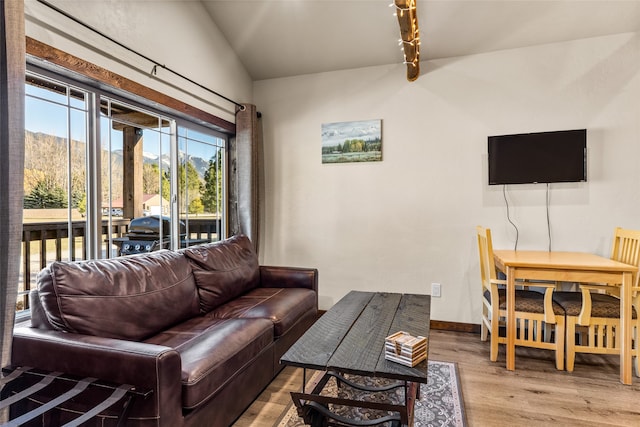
(288, 277)
(143, 365)
(109, 359)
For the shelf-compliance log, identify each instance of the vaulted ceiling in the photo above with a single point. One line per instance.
(280, 38)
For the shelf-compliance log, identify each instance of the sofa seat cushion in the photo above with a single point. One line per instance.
(283, 306)
(131, 298)
(223, 270)
(213, 351)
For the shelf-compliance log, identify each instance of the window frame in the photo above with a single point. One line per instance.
(218, 128)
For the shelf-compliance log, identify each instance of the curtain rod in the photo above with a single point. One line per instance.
(156, 64)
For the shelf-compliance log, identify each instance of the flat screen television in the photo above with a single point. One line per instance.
(541, 157)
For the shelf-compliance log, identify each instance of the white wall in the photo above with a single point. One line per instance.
(179, 35)
(400, 224)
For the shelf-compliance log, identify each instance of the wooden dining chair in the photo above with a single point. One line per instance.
(593, 313)
(626, 248)
(534, 311)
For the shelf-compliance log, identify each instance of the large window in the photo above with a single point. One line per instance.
(108, 176)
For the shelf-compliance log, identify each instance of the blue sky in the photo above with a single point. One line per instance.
(51, 118)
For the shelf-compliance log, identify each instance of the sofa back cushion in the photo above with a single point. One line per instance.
(130, 298)
(223, 270)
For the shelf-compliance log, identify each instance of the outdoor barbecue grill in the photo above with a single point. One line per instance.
(144, 235)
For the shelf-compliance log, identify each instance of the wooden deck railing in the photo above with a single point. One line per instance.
(45, 242)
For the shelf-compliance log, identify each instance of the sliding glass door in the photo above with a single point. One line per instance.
(107, 176)
(136, 172)
(55, 173)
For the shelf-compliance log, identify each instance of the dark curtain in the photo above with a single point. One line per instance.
(245, 175)
(12, 72)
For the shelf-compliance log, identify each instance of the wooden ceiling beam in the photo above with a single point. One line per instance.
(410, 36)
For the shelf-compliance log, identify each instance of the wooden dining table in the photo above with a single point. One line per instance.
(568, 267)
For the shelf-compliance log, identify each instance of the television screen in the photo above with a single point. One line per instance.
(541, 157)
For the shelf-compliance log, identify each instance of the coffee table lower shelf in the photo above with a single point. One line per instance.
(314, 409)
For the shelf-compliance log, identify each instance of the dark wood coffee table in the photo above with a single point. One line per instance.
(349, 339)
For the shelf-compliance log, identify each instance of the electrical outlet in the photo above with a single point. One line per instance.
(435, 290)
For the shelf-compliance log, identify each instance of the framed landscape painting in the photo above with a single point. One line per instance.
(359, 141)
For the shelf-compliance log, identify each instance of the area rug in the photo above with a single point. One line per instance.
(440, 405)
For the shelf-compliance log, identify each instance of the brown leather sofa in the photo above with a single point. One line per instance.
(203, 328)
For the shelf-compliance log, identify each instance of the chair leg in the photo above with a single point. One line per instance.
(570, 343)
(635, 350)
(494, 351)
(493, 356)
(484, 331)
(560, 343)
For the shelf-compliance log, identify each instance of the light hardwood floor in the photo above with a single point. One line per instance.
(535, 394)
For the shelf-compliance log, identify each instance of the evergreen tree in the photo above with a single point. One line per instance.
(46, 195)
(212, 186)
(188, 185)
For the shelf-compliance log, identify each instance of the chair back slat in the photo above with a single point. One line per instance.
(626, 248)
